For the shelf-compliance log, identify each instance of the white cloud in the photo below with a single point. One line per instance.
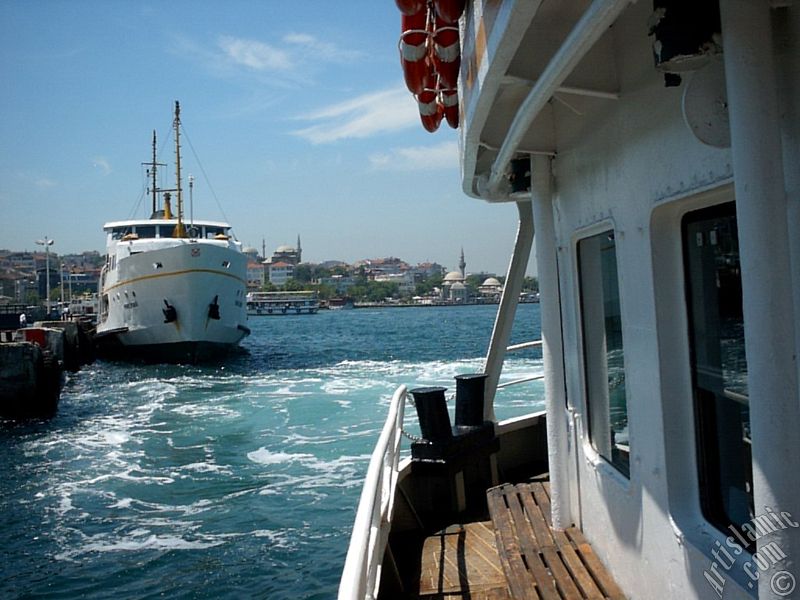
(363, 116)
(254, 54)
(44, 183)
(101, 163)
(321, 51)
(441, 156)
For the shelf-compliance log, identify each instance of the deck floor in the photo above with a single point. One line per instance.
(515, 555)
(462, 562)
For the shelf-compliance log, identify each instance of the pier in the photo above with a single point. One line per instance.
(33, 361)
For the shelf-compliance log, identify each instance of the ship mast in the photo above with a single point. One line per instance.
(180, 231)
(152, 171)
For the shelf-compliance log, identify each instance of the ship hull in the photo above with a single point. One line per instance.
(181, 303)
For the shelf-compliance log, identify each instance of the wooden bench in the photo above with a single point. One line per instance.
(539, 562)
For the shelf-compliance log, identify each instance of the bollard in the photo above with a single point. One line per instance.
(469, 399)
(434, 421)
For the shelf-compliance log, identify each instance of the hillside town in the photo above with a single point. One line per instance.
(34, 277)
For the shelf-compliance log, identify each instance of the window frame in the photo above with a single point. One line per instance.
(704, 401)
(591, 449)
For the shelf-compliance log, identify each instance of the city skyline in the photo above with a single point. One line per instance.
(296, 118)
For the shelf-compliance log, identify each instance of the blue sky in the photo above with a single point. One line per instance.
(296, 110)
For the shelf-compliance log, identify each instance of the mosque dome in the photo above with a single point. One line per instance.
(250, 250)
(458, 286)
(453, 276)
(284, 249)
(492, 282)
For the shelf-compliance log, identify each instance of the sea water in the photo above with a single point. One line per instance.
(235, 480)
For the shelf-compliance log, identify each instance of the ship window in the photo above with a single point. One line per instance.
(166, 231)
(146, 231)
(607, 405)
(719, 365)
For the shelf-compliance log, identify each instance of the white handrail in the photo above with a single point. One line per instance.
(361, 573)
(524, 346)
(500, 386)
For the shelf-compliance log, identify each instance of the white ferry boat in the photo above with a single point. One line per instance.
(171, 290)
(654, 148)
(282, 303)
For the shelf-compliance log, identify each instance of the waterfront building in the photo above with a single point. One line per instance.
(280, 272)
(404, 280)
(255, 274)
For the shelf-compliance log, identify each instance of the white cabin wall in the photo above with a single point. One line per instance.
(786, 32)
(638, 157)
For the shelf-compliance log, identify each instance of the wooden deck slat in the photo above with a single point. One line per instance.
(542, 498)
(539, 561)
(541, 529)
(598, 571)
(527, 543)
(508, 548)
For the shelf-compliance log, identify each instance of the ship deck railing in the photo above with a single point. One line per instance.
(361, 573)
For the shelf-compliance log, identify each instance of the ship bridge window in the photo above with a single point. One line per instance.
(719, 365)
(604, 359)
(118, 232)
(166, 231)
(211, 232)
(146, 231)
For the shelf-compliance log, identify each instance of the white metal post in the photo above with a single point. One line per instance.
(552, 342)
(508, 305)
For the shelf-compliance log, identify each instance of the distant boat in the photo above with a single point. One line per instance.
(171, 291)
(282, 303)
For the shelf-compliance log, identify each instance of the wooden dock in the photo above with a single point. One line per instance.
(515, 555)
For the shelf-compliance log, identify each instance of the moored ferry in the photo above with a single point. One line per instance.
(171, 290)
(653, 149)
(282, 303)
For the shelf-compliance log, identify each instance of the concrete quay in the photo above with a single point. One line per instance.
(32, 365)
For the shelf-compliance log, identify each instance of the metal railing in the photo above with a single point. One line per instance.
(361, 573)
(514, 348)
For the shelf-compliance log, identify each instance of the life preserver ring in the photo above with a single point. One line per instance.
(431, 110)
(450, 106)
(414, 49)
(446, 52)
(448, 10)
(410, 7)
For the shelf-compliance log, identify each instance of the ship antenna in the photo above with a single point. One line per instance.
(179, 229)
(152, 173)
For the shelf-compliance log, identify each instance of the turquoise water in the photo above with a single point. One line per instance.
(230, 481)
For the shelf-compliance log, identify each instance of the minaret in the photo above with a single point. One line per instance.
(299, 250)
(462, 265)
(263, 248)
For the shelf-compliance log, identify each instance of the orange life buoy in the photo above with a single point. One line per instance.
(450, 106)
(413, 49)
(410, 7)
(449, 10)
(446, 52)
(430, 110)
